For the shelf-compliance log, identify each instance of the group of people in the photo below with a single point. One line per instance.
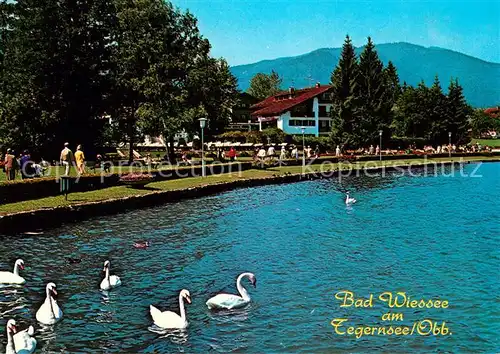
(67, 159)
(25, 166)
(261, 154)
(21, 164)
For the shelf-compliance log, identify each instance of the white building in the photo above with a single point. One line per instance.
(293, 109)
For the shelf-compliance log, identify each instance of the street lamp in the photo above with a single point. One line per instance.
(380, 146)
(449, 144)
(203, 122)
(303, 150)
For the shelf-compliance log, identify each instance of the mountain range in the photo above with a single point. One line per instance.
(480, 79)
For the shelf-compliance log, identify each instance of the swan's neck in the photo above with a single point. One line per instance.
(181, 308)
(107, 274)
(243, 292)
(49, 299)
(10, 343)
(16, 270)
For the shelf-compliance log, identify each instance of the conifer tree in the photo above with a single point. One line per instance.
(376, 102)
(436, 112)
(345, 98)
(457, 113)
(393, 86)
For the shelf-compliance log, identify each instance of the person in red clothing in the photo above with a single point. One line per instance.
(10, 165)
(232, 153)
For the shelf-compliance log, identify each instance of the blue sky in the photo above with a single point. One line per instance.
(246, 31)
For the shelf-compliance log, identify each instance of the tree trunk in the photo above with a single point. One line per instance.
(171, 149)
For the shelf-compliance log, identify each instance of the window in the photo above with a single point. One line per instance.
(243, 117)
(300, 123)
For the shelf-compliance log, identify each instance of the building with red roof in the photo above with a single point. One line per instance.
(493, 112)
(293, 109)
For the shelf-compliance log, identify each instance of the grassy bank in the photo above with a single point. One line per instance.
(494, 143)
(123, 191)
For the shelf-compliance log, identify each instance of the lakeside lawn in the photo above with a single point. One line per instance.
(495, 143)
(123, 191)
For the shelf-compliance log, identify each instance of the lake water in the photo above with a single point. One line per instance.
(431, 237)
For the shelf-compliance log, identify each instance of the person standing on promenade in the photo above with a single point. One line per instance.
(25, 164)
(295, 152)
(9, 166)
(270, 152)
(283, 153)
(337, 151)
(232, 154)
(66, 159)
(80, 160)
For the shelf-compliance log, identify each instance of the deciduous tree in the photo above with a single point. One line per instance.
(265, 85)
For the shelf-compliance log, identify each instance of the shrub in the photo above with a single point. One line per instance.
(235, 135)
(136, 177)
(275, 135)
(254, 137)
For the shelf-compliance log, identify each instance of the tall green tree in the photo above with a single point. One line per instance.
(457, 113)
(345, 101)
(56, 64)
(435, 109)
(374, 94)
(392, 84)
(265, 85)
(156, 47)
(213, 86)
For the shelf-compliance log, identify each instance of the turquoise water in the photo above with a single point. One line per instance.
(431, 237)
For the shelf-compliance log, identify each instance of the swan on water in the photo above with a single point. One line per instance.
(21, 342)
(169, 319)
(14, 277)
(349, 200)
(109, 281)
(229, 301)
(49, 313)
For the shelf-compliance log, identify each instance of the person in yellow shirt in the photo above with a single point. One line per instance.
(80, 160)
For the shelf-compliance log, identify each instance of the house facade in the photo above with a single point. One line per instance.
(293, 109)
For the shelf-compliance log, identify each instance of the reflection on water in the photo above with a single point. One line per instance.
(429, 236)
(176, 336)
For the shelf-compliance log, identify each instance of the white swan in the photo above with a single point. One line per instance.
(349, 200)
(169, 319)
(49, 313)
(109, 281)
(14, 277)
(229, 301)
(21, 342)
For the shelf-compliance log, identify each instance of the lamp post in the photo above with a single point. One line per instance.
(449, 144)
(303, 150)
(203, 122)
(380, 145)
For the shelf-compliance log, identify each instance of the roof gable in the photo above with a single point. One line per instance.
(282, 101)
